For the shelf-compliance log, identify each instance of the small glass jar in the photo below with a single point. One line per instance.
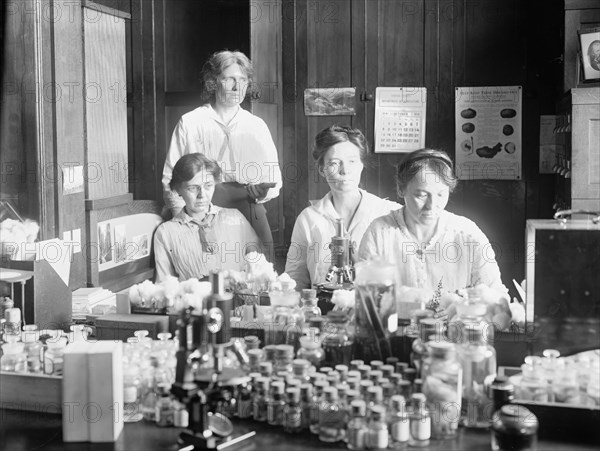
(33, 348)
(259, 402)
(276, 404)
(284, 355)
(54, 356)
(442, 385)
(311, 350)
(478, 360)
(300, 369)
(164, 412)
(331, 417)
(292, 414)
(356, 431)
(252, 342)
(514, 427)
(398, 422)
(309, 300)
(533, 385)
(14, 359)
(427, 327)
(131, 394)
(419, 421)
(377, 429)
(255, 357)
(338, 341)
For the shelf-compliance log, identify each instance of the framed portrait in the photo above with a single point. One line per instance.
(589, 46)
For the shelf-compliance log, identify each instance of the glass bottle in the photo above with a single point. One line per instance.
(131, 394)
(319, 387)
(502, 392)
(54, 356)
(244, 400)
(469, 311)
(338, 341)
(533, 385)
(311, 350)
(33, 348)
(374, 397)
(398, 422)
(478, 360)
(514, 427)
(306, 394)
(565, 387)
(148, 390)
(419, 422)
(377, 429)
(265, 369)
(282, 304)
(300, 369)
(181, 417)
(292, 415)
(310, 308)
(284, 355)
(331, 418)
(255, 357)
(442, 385)
(164, 413)
(356, 431)
(276, 404)
(259, 405)
(14, 359)
(343, 370)
(252, 342)
(427, 327)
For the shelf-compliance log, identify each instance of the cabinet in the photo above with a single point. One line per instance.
(577, 164)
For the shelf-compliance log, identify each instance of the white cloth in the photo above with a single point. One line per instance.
(309, 256)
(248, 154)
(178, 249)
(459, 253)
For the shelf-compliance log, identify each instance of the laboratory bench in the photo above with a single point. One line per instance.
(25, 431)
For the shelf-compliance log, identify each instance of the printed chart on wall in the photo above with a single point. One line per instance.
(488, 132)
(400, 119)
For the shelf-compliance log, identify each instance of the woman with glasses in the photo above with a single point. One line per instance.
(201, 237)
(237, 140)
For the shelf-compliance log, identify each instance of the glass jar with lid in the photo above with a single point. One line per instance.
(311, 350)
(33, 348)
(533, 385)
(338, 341)
(478, 359)
(54, 356)
(283, 315)
(14, 359)
(442, 385)
(427, 327)
(310, 308)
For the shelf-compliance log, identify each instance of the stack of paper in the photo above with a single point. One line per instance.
(86, 299)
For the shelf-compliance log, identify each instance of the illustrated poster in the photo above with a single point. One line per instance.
(400, 119)
(488, 132)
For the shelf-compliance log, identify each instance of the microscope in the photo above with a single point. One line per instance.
(203, 381)
(341, 272)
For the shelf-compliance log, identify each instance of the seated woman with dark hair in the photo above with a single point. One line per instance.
(202, 237)
(340, 153)
(428, 244)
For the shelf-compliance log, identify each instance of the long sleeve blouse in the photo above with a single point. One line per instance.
(309, 256)
(243, 148)
(178, 249)
(459, 254)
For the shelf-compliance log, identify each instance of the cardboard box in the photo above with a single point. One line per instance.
(120, 327)
(105, 391)
(33, 392)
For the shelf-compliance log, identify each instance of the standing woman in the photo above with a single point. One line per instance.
(428, 244)
(239, 141)
(340, 153)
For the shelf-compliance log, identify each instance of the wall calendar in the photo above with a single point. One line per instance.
(400, 119)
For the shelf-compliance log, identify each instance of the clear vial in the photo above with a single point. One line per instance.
(292, 415)
(259, 404)
(164, 413)
(398, 422)
(319, 387)
(332, 427)
(356, 431)
(276, 404)
(306, 395)
(377, 429)
(419, 421)
(131, 394)
(33, 348)
(54, 356)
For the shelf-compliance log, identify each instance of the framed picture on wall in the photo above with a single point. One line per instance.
(589, 43)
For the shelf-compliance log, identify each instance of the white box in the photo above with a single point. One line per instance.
(75, 392)
(104, 412)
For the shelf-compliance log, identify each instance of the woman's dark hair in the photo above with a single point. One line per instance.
(189, 165)
(330, 136)
(437, 161)
(215, 66)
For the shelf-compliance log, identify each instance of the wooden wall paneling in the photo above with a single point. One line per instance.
(69, 124)
(266, 54)
(294, 157)
(106, 110)
(329, 66)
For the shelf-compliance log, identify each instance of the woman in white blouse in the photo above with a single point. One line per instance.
(201, 237)
(428, 244)
(340, 153)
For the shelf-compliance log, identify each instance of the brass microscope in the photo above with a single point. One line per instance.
(204, 381)
(340, 275)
